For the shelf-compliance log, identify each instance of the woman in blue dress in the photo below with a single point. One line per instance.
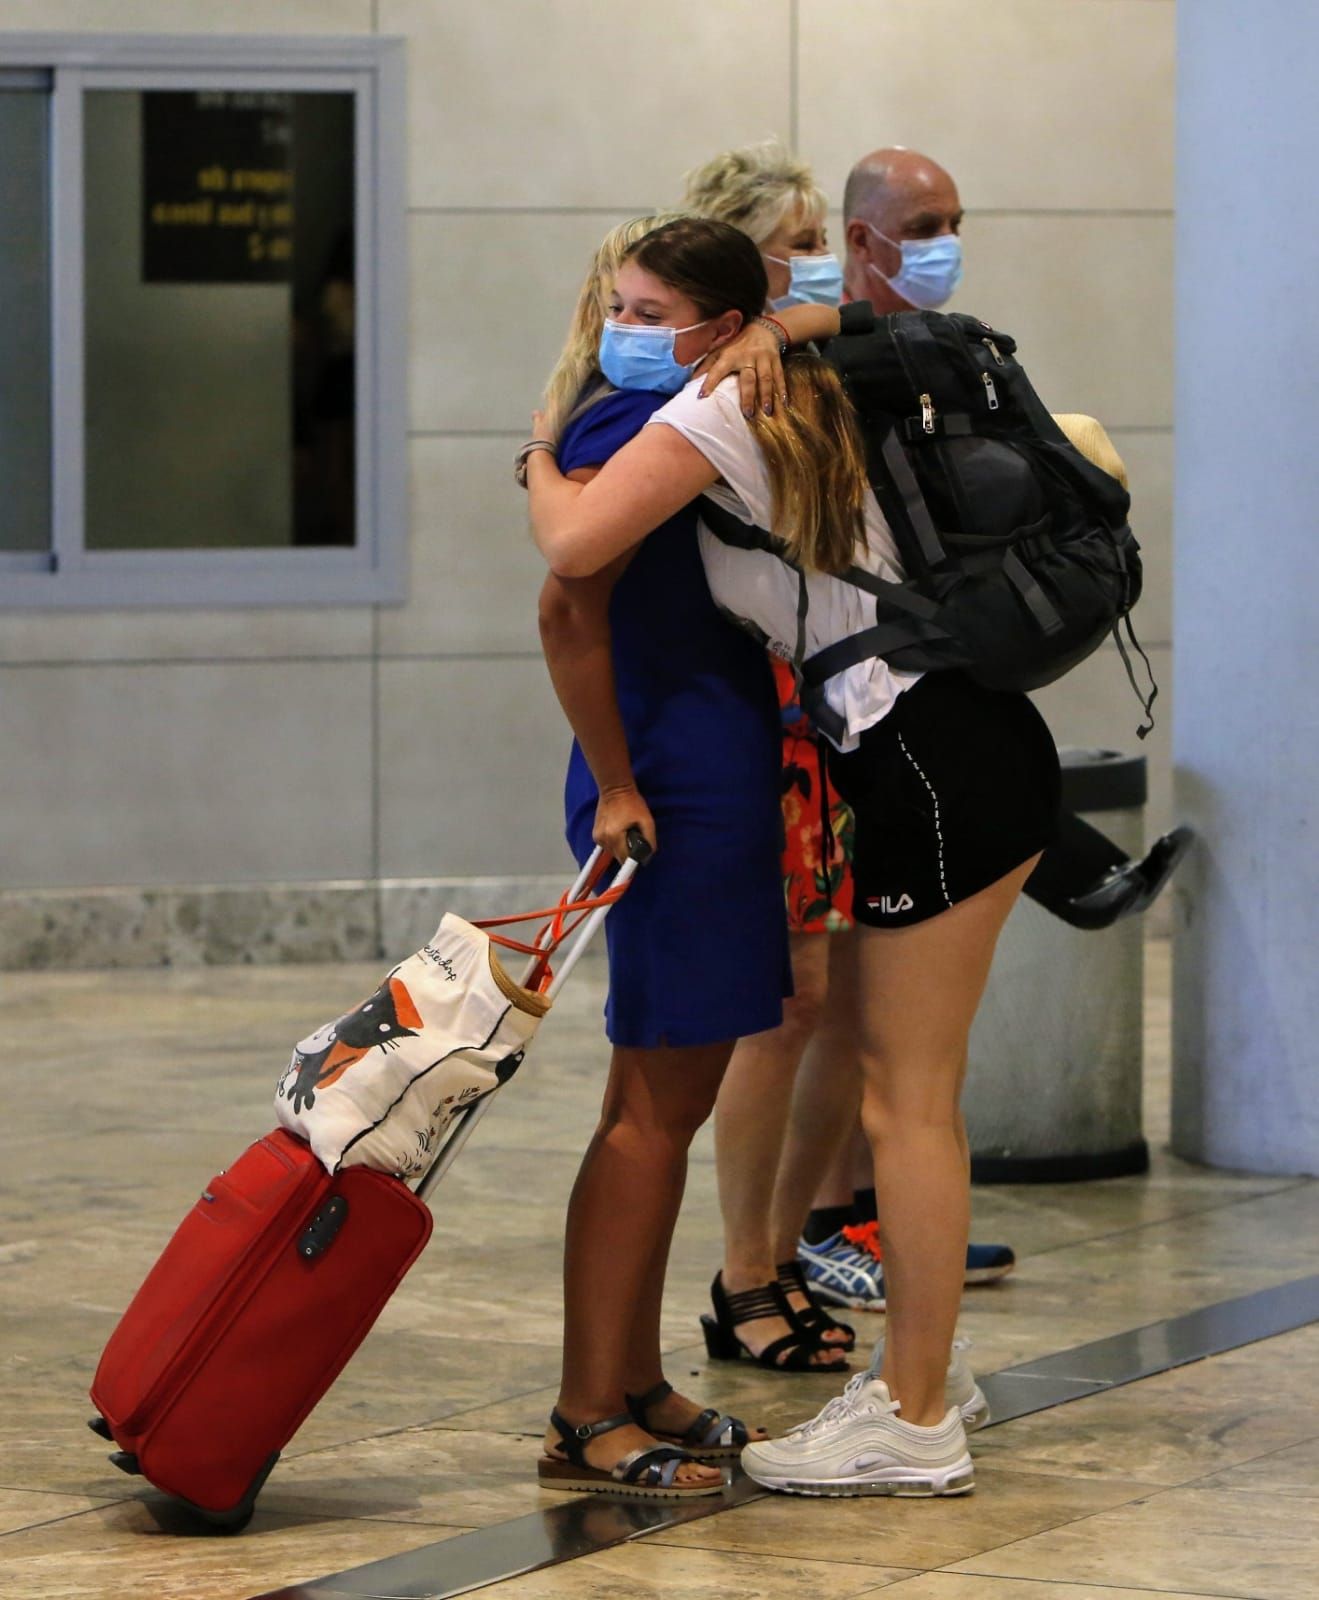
(686, 749)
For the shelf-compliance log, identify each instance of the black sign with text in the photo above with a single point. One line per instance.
(217, 187)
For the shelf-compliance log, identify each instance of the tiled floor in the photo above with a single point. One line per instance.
(126, 1090)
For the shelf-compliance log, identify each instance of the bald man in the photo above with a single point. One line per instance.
(902, 215)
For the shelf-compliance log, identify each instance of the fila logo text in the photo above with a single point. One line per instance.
(889, 905)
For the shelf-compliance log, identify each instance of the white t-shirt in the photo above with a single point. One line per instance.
(758, 587)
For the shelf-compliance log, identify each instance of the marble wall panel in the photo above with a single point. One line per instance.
(169, 16)
(521, 104)
(472, 757)
(475, 573)
(1030, 104)
(183, 773)
(491, 298)
(1089, 301)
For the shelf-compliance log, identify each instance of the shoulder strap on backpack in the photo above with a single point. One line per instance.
(731, 530)
(916, 623)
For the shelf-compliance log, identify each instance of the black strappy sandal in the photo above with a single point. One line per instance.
(796, 1347)
(645, 1474)
(792, 1280)
(712, 1439)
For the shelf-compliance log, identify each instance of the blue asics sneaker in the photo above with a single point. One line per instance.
(843, 1270)
(986, 1262)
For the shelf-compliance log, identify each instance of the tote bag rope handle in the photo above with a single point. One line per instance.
(538, 975)
(583, 899)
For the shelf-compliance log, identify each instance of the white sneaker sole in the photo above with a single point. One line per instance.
(903, 1482)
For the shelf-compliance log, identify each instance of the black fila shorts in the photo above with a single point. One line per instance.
(952, 790)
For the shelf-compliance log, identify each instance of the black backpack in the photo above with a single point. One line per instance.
(1017, 553)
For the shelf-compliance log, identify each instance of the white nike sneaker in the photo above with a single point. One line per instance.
(960, 1390)
(860, 1445)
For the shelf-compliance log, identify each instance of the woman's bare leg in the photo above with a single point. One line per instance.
(920, 989)
(750, 1119)
(825, 1102)
(624, 1203)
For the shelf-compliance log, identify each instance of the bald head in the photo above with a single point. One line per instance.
(904, 195)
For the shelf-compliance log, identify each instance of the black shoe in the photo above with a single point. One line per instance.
(792, 1280)
(794, 1352)
(1128, 890)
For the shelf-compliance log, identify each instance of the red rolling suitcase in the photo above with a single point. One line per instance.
(271, 1282)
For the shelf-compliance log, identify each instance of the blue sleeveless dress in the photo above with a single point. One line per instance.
(698, 947)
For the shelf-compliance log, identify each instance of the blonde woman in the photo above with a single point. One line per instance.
(770, 1156)
(673, 709)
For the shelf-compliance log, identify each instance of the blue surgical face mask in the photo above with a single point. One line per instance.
(930, 272)
(815, 281)
(635, 356)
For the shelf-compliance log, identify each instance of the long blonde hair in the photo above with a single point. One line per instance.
(755, 188)
(578, 361)
(817, 467)
(811, 445)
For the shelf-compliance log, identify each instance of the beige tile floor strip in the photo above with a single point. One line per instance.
(586, 1527)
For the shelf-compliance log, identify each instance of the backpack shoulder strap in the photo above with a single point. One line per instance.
(731, 530)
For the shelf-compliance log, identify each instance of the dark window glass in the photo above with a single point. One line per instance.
(25, 326)
(220, 374)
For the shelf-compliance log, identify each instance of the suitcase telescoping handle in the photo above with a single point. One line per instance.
(463, 1125)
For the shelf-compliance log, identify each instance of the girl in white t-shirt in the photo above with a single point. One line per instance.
(954, 790)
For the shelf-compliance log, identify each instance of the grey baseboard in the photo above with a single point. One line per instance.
(234, 924)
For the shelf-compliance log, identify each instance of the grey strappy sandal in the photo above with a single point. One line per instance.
(646, 1474)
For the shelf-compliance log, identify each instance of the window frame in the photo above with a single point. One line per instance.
(375, 568)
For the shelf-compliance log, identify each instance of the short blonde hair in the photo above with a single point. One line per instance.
(578, 361)
(755, 188)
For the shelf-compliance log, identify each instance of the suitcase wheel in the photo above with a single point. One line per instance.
(178, 1516)
(232, 1521)
(126, 1461)
(100, 1427)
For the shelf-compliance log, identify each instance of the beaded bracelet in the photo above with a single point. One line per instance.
(766, 321)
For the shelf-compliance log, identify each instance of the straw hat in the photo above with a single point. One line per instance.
(1091, 439)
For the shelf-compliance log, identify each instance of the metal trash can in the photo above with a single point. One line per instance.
(1053, 1089)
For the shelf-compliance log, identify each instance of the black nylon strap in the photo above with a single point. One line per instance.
(1146, 704)
(918, 513)
(863, 646)
(821, 713)
(803, 606)
(731, 530)
(947, 425)
(897, 595)
(1041, 607)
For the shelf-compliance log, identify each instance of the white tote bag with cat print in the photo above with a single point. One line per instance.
(379, 1087)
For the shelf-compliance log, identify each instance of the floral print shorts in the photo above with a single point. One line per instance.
(818, 892)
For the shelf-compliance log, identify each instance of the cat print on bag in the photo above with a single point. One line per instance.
(386, 1017)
